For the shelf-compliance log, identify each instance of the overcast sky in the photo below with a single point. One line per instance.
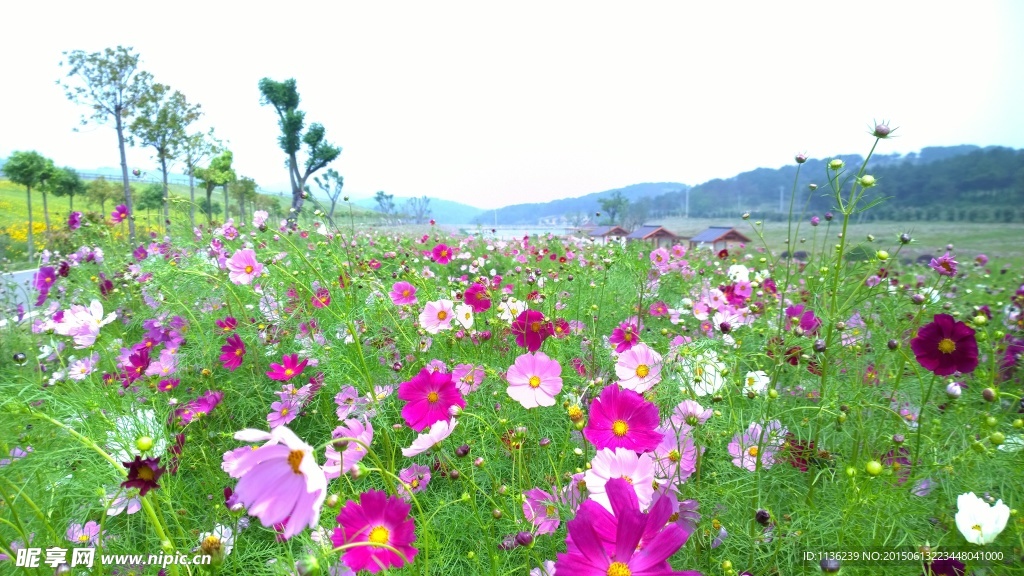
(496, 103)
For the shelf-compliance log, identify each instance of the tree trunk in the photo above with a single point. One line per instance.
(71, 202)
(330, 216)
(31, 245)
(167, 197)
(124, 176)
(192, 194)
(46, 214)
(209, 204)
(226, 203)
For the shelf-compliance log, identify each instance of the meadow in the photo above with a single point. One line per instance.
(266, 399)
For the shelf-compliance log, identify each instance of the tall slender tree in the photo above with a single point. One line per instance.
(218, 173)
(331, 184)
(31, 170)
(67, 182)
(162, 124)
(243, 190)
(284, 97)
(194, 150)
(111, 85)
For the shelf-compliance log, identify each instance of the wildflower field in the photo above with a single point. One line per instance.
(269, 399)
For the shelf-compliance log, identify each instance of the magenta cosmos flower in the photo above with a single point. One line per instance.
(945, 346)
(477, 298)
(243, 266)
(639, 368)
(622, 419)
(429, 396)
(531, 329)
(119, 214)
(534, 380)
(539, 508)
(233, 352)
(625, 336)
(620, 463)
(945, 265)
(288, 369)
(626, 542)
(403, 293)
(378, 520)
(442, 254)
(279, 482)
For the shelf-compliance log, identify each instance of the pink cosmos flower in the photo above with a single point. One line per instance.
(74, 220)
(468, 377)
(442, 254)
(259, 218)
(414, 479)
(403, 293)
(289, 368)
(639, 368)
(428, 396)
(534, 380)
(234, 352)
(83, 324)
(539, 508)
(689, 413)
(378, 519)
(622, 418)
(283, 412)
(437, 316)
(243, 267)
(676, 457)
(353, 452)
(433, 437)
(321, 299)
(620, 463)
(198, 407)
(757, 444)
(84, 536)
(531, 329)
(280, 482)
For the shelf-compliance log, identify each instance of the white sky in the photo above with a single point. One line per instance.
(496, 103)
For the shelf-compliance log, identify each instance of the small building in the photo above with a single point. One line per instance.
(602, 234)
(719, 238)
(655, 235)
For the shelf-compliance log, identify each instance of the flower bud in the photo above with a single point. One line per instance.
(953, 390)
(815, 220)
(836, 164)
(462, 451)
(830, 566)
(819, 345)
(905, 238)
(829, 216)
(989, 395)
(898, 439)
(762, 517)
(144, 443)
(454, 474)
(917, 299)
(307, 566)
(801, 158)
(20, 358)
(882, 255)
(881, 131)
(478, 462)
(524, 539)
(893, 344)
(813, 187)
(545, 442)
(496, 514)
(867, 181)
(332, 501)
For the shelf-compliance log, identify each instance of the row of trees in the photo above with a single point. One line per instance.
(415, 209)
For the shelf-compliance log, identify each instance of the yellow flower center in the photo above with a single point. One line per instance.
(534, 381)
(642, 371)
(628, 336)
(535, 327)
(627, 479)
(619, 428)
(285, 411)
(976, 527)
(146, 473)
(442, 315)
(294, 459)
(618, 569)
(405, 293)
(379, 535)
(85, 538)
(946, 346)
(248, 269)
(575, 413)
(210, 545)
(238, 352)
(550, 510)
(752, 451)
(288, 372)
(432, 397)
(674, 456)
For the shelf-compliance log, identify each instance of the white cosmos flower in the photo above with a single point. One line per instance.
(979, 522)
(703, 373)
(464, 315)
(511, 309)
(121, 442)
(217, 543)
(756, 381)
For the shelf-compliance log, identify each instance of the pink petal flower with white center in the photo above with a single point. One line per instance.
(639, 368)
(437, 433)
(620, 463)
(243, 266)
(280, 481)
(437, 316)
(534, 380)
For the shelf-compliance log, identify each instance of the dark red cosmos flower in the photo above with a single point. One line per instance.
(531, 329)
(945, 346)
(143, 474)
